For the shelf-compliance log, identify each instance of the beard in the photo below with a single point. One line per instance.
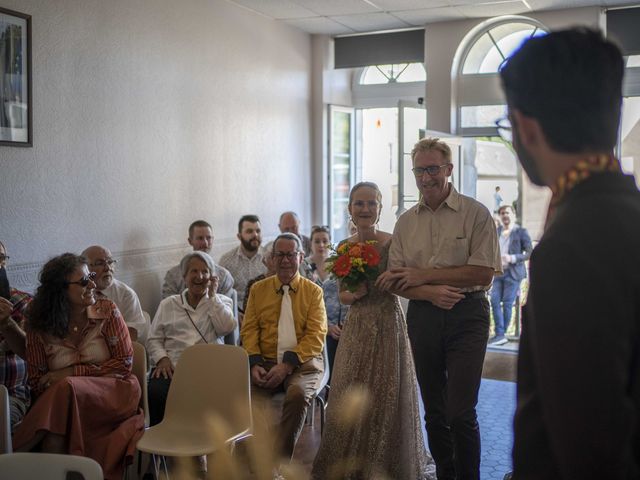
(250, 245)
(528, 162)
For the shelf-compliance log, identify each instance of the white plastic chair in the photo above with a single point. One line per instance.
(27, 466)
(209, 393)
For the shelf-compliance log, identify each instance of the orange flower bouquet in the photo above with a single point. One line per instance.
(354, 263)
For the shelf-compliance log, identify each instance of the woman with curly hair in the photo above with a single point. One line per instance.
(79, 358)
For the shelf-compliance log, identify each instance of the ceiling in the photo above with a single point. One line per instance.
(341, 17)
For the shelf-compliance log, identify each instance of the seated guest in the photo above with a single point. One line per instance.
(201, 239)
(271, 270)
(79, 358)
(197, 315)
(315, 269)
(246, 260)
(290, 223)
(13, 304)
(103, 265)
(283, 332)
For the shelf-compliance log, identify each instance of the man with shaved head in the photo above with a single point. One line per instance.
(290, 223)
(103, 265)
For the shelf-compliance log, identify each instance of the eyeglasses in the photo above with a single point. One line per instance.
(84, 281)
(4, 258)
(504, 129)
(431, 170)
(289, 255)
(111, 262)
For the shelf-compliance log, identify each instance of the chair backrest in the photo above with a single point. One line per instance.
(140, 371)
(211, 381)
(27, 466)
(5, 421)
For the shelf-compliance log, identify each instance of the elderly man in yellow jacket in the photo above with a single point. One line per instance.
(283, 332)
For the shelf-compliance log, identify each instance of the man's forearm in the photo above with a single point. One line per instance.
(422, 292)
(463, 277)
(15, 337)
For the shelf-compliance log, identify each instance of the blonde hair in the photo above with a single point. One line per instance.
(431, 143)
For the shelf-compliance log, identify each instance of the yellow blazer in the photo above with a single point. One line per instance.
(259, 330)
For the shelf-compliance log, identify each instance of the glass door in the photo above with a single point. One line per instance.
(412, 125)
(341, 134)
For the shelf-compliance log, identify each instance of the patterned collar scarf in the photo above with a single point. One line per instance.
(578, 173)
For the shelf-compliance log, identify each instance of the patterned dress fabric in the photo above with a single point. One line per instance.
(373, 425)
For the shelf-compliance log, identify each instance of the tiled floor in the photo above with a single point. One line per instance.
(496, 405)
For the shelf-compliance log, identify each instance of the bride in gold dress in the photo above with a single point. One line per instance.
(373, 425)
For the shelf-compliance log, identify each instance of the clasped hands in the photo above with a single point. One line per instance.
(398, 279)
(272, 378)
(53, 376)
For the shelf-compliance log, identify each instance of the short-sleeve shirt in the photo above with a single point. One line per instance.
(461, 231)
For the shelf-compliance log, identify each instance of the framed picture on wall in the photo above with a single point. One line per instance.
(15, 79)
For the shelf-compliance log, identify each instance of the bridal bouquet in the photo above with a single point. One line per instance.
(354, 263)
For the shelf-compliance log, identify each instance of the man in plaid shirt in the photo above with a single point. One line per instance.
(13, 369)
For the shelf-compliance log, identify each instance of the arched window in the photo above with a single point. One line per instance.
(497, 44)
(398, 73)
(476, 91)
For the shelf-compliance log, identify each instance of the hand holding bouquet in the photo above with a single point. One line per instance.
(354, 264)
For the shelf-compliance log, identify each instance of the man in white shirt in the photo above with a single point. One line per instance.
(201, 239)
(245, 262)
(102, 263)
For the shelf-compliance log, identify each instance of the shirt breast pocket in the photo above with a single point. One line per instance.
(454, 252)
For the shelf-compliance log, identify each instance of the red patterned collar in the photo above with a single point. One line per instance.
(578, 173)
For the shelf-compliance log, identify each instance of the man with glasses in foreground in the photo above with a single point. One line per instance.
(103, 265)
(578, 409)
(443, 257)
(283, 332)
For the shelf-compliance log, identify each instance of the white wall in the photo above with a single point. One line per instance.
(149, 114)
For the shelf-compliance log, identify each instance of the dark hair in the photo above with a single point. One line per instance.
(198, 223)
(570, 81)
(288, 236)
(506, 205)
(49, 310)
(320, 229)
(247, 218)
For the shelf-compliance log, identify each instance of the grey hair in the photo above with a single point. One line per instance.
(184, 263)
(289, 236)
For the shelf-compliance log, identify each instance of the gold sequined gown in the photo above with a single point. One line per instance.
(373, 428)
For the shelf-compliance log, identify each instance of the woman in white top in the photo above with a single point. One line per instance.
(195, 316)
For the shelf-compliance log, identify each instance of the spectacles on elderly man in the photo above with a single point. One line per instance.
(431, 170)
(289, 255)
(84, 281)
(110, 262)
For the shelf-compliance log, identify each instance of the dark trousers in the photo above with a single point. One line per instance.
(158, 389)
(298, 389)
(332, 348)
(448, 350)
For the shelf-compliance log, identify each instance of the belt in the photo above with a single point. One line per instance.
(476, 294)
